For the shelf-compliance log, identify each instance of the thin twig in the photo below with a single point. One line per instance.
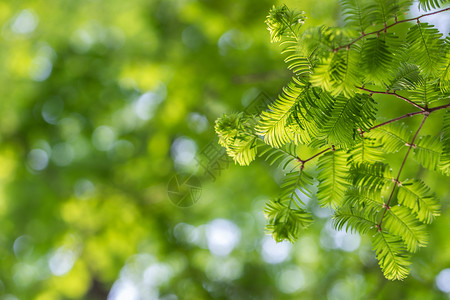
(347, 46)
(303, 161)
(393, 94)
(438, 107)
(396, 181)
(428, 111)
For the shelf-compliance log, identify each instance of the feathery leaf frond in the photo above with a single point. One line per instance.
(281, 157)
(333, 178)
(392, 256)
(430, 4)
(401, 222)
(418, 197)
(427, 151)
(365, 150)
(285, 223)
(354, 220)
(444, 164)
(373, 176)
(426, 47)
(393, 136)
(273, 123)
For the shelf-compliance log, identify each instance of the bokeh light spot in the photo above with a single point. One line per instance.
(62, 154)
(291, 280)
(40, 69)
(37, 159)
(273, 252)
(61, 261)
(52, 110)
(25, 22)
(443, 281)
(183, 151)
(103, 138)
(222, 236)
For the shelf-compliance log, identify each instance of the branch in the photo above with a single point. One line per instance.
(312, 157)
(393, 94)
(347, 46)
(396, 180)
(428, 111)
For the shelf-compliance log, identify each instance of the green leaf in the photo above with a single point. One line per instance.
(392, 256)
(273, 123)
(425, 93)
(284, 23)
(365, 150)
(400, 221)
(346, 116)
(427, 151)
(356, 14)
(294, 184)
(339, 73)
(430, 4)
(285, 223)
(377, 60)
(425, 48)
(332, 176)
(407, 77)
(444, 164)
(444, 78)
(368, 198)
(354, 220)
(418, 197)
(384, 11)
(393, 137)
(370, 176)
(281, 157)
(236, 134)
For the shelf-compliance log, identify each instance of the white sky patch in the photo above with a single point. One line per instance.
(224, 269)
(25, 22)
(183, 151)
(333, 239)
(222, 236)
(443, 281)
(61, 261)
(40, 69)
(37, 159)
(62, 154)
(103, 138)
(273, 252)
(124, 289)
(84, 189)
(146, 105)
(440, 21)
(291, 280)
(140, 279)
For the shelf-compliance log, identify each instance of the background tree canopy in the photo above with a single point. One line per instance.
(103, 103)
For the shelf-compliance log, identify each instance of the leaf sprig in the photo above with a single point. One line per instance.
(330, 106)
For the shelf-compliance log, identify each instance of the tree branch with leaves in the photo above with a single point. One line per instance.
(329, 106)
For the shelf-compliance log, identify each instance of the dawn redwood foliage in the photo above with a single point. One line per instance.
(328, 106)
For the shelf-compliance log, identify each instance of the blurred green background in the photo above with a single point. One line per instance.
(103, 103)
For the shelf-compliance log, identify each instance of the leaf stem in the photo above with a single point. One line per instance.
(396, 180)
(393, 94)
(314, 156)
(386, 27)
(425, 112)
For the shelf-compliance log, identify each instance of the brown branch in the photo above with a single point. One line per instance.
(347, 46)
(396, 180)
(393, 94)
(428, 111)
(303, 161)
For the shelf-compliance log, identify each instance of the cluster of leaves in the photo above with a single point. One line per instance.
(328, 106)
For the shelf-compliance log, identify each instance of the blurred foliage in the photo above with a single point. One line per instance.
(102, 103)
